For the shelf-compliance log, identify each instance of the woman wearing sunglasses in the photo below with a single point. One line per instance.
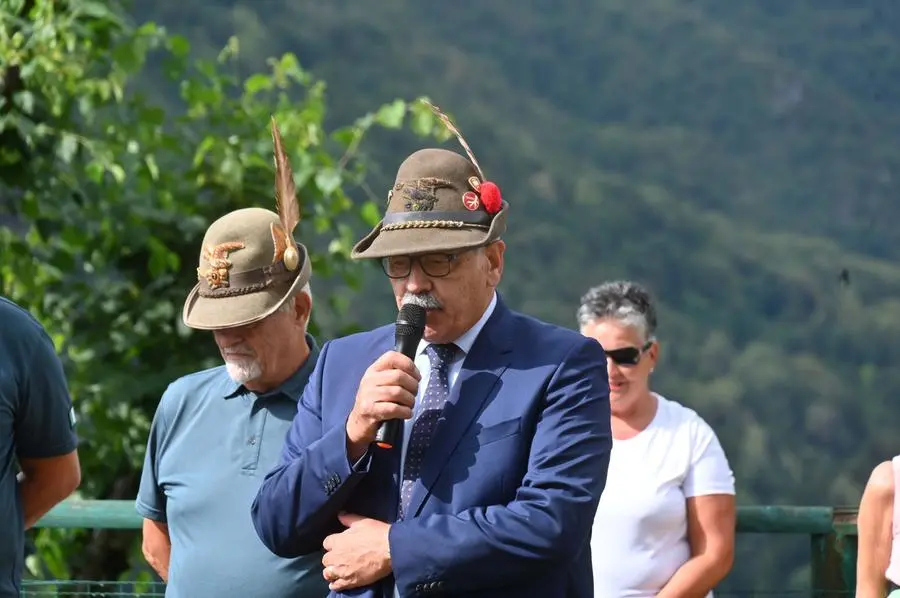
(665, 523)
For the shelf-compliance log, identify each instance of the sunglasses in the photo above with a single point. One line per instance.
(628, 355)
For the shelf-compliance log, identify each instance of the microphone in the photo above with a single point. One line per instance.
(409, 330)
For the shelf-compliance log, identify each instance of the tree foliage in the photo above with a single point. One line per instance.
(104, 198)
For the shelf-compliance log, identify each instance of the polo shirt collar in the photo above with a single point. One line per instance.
(292, 387)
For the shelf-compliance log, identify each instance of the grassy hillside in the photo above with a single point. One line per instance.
(735, 157)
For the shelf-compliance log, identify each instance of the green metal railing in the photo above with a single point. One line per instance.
(92, 589)
(832, 533)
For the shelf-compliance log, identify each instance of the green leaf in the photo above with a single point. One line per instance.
(148, 29)
(127, 57)
(422, 123)
(95, 171)
(152, 116)
(24, 100)
(74, 236)
(203, 149)
(159, 258)
(231, 172)
(96, 10)
(391, 115)
(152, 167)
(328, 180)
(179, 46)
(256, 83)
(345, 136)
(370, 213)
(68, 145)
(117, 172)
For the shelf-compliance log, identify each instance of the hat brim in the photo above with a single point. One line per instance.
(217, 313)
(413, 241)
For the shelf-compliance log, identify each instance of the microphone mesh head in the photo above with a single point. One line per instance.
(411, 316)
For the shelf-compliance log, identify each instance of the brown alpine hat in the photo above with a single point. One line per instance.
(440, 202)
(250, 263)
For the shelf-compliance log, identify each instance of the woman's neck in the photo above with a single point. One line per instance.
(631, 423)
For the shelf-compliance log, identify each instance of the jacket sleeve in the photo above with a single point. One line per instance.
(549, 521)
(297, 504)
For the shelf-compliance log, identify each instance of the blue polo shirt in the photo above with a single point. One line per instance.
(211, 443)
(36, 421)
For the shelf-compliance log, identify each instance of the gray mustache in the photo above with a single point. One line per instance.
(425, 300)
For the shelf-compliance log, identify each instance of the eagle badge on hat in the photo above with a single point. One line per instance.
(217, 256)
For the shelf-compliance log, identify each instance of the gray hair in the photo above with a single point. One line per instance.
(622, 300)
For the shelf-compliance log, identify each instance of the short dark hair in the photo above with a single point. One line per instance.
(622, 300)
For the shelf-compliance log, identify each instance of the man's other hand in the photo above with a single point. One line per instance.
(359, 555)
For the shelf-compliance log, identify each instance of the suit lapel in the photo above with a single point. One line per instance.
(481, 371)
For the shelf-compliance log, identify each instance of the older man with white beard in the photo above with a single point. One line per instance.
(217, 432)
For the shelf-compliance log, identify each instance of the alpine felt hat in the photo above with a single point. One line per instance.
(250, 263)
(440, 202)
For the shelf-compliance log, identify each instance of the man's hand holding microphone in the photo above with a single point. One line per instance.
(387, 391)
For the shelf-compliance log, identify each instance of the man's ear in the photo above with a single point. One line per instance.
(302, 307)
(494, 253)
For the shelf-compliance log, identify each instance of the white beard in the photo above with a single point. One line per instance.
(243, 370)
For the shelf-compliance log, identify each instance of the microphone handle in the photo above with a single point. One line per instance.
(390, 432)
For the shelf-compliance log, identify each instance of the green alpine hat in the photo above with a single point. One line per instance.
(440, 202)
(250, 264)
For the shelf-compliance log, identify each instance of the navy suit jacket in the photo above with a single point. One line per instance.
(509, 486)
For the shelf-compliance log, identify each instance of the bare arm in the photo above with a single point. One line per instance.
(711, 528)
(44, 428)
(46, 482)
(874, 523)
(156, 547)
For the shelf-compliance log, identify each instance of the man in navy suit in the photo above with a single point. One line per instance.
(507, 426)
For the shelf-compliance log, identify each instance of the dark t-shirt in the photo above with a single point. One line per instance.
(36, 421)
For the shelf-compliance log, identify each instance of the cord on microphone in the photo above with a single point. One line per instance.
(410, 328)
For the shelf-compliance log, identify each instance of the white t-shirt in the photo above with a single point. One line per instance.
(639, 536)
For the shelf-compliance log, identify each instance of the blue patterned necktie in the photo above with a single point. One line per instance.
(432, 404)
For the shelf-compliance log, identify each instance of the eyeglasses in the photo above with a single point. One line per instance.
(628, 356)
(435, 265)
